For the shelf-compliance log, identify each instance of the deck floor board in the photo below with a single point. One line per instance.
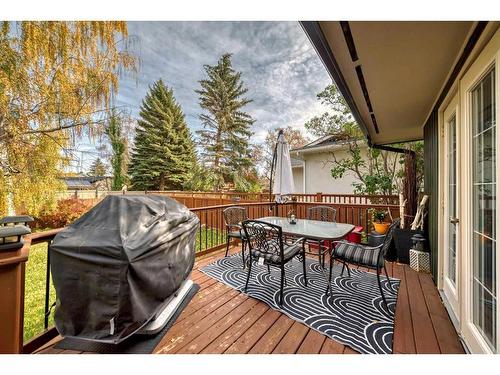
(220, 319)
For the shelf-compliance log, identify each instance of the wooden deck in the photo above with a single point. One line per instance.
(220, 320)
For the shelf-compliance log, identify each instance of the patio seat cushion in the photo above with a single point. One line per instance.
(289, 251)
(359, 254)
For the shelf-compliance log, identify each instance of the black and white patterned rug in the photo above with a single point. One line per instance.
(353, 314)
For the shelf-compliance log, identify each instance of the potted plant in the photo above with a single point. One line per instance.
(378, 221)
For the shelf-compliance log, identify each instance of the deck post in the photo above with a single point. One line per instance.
(12, 278)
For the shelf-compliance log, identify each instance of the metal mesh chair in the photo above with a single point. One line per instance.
(265, 242)
(321, 213)
(233, 217)
(372, 257)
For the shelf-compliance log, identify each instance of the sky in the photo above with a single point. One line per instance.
(279, 67)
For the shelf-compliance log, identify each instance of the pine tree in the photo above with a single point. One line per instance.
(97, 169)
(226, 128)
(163, 151)
(119, 150)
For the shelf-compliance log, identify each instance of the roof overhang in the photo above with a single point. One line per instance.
(390, 73)
(298, 153)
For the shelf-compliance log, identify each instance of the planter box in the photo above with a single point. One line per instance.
(403, 243)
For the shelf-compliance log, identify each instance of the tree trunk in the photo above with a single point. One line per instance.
(410, 188)
(162, 182)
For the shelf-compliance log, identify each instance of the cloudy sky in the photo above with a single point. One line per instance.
(279, 67)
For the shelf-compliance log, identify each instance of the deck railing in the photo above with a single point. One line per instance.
(211, 236)
(195, 199)
(212, 231)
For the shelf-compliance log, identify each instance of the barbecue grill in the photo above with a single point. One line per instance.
(123, 267)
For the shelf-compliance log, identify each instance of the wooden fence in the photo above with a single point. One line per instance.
(195, 199)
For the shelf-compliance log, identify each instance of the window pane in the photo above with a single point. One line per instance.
(484, 208)
(452, 189)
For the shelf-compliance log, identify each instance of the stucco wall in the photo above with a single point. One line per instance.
(298, 180)
(318, 177)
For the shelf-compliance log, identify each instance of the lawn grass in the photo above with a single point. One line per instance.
(210, 237)
(34, 294)
(34, 300)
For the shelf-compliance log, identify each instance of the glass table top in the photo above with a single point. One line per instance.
(312, 229)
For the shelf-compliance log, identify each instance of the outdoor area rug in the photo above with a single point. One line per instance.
(353, 314)
(137, 344)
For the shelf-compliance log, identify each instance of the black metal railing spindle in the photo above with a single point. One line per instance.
(47, 290)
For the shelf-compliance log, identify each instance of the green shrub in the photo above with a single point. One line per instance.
(67, 211)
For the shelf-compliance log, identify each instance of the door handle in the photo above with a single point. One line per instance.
(454, 220)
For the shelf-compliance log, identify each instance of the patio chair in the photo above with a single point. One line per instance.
(372, 257)
(321, 213)
(266, 245)
(233, 217)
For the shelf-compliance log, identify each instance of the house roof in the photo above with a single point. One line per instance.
(321, 142)
(391, 74)
(82, 182)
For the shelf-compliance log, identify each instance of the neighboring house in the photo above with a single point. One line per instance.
(440, 82)
(312, 164)
(87, 182)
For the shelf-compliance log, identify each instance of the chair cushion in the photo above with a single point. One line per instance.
(356, 253)
(288, 251)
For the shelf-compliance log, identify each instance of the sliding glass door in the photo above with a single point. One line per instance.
(484, 243)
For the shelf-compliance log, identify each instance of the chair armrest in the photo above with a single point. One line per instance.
(296, 242)
(371, 248)
(237, 226)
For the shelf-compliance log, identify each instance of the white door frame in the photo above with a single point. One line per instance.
(451, 291)
(489, 57)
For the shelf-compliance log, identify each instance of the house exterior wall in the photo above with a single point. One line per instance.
(464, 299)
(318, 177)
(298, 180)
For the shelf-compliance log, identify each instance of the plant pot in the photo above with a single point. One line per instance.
(381, 227)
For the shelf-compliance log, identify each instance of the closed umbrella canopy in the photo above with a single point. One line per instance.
(283, 177)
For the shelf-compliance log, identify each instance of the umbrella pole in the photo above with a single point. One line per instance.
(273, 162)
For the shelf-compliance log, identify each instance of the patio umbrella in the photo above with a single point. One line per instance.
(282, 167)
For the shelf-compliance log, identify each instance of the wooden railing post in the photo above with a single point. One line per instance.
(319, 197)
(12, 270)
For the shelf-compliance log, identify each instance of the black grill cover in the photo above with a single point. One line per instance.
(115, 266)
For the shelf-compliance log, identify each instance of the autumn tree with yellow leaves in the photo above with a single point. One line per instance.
(57, 82)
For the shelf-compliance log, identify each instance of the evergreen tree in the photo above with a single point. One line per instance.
(163, 151)
(97, 169)
(226, 128)
(119, 150)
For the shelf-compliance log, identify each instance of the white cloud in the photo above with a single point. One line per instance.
(279, 67)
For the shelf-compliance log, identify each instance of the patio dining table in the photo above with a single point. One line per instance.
(311, 229)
